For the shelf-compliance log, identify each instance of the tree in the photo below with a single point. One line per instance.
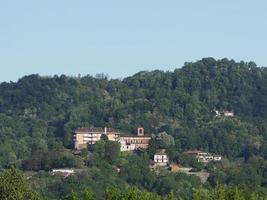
(198, 194)
(234, 194)
(72, 196)
(88, 194)
(165, 140)
(113, 193)
(152, 146)
(13, 185)
(112, 151)
(170, 196)
(98, 148)
(219, 192)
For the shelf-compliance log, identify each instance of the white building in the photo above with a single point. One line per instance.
(203, 156)
(125, 145)
(62, 172)
(70, 171)
(217, 158)
(133, 142)
(227, 113)
(217, 113)
(161, 158)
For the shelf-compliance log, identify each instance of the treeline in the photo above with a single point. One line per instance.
(13, 185)
(219, 193)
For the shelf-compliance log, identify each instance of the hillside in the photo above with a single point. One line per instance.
(39, 114)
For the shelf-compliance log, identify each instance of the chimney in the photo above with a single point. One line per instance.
(140, 131)
(105, 130)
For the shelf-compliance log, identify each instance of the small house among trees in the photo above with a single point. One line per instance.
(161, 158)
(225, 113)
(203, 157)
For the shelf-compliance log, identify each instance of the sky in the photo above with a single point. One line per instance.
(120, 38)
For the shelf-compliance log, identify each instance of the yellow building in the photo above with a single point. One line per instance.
(84, 136)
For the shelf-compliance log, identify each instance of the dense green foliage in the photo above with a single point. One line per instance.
(219, 193)
(38, 116)
(13, 186)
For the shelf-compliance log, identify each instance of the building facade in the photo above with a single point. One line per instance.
(85, 136)
(161, 158)
(203, 156)
(227, 113)
(133, 142)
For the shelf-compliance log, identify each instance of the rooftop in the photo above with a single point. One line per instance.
(161, 152)
(136, 136)
(193, 152)
(94, 129)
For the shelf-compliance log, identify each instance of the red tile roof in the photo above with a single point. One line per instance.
(94, 129)
(192, 152)
(161, 152)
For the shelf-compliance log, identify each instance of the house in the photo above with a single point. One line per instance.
(217, 113)
(84, 136)
(203, 156)
(227, 113)
(62, 172)
(217, 158)
(133, 142)
(161, 158)
(71, 171)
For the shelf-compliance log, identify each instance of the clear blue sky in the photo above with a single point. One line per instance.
(123, 37)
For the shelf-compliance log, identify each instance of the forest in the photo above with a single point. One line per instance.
(38, 116)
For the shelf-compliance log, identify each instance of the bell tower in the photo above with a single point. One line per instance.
(140, 131)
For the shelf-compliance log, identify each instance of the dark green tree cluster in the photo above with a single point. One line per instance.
(219, 193)
(13, 185)
(105, 150)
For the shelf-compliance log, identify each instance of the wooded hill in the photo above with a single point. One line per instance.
(38, 114)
